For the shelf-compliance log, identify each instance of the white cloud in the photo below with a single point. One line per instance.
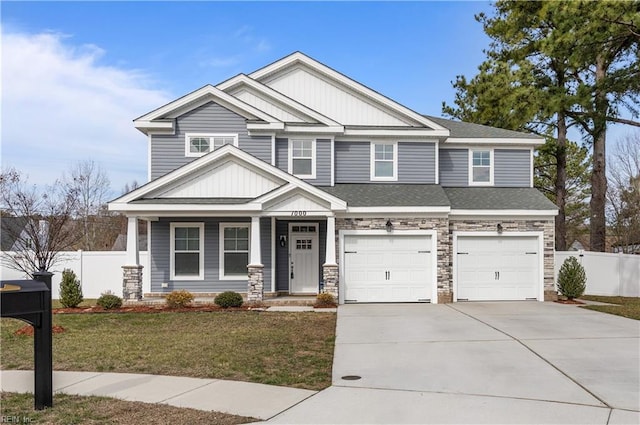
(60, 105)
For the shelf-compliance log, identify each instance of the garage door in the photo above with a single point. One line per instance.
(387, 268)
(497, 268)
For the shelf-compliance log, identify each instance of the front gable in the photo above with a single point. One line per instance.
(297, 204)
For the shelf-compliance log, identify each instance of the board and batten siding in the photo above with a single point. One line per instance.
(168, 151)
(454, 167)
(416, 163)
(512, 168)
(282, 253)
(161, 252)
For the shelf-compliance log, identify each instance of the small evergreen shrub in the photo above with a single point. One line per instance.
(325, 299)
(572, 280)
(70, 289)
(228, 299)
(179, 299)
(109, 301)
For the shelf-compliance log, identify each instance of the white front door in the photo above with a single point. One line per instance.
(303, 258)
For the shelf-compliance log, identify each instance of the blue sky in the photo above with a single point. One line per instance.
(75, 74)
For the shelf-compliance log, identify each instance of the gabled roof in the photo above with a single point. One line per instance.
(498, 198)
(389, 194)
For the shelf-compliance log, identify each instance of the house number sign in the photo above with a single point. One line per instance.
(298, 213)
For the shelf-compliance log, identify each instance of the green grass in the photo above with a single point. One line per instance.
(68, 409)
(290, 349)
(625, 306)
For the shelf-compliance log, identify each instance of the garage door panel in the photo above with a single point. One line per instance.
(387, 268)
(497, 267)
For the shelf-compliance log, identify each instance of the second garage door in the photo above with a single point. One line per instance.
(497, 268)
(387, 268)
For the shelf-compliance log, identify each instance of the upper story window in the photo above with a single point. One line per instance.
(187, 251)
(302, 158)
(197, 144)
(384, 161)
(481, 167)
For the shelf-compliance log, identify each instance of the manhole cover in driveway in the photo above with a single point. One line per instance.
(351, 377)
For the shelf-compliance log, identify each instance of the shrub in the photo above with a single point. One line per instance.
(70, 289)
(572, 279)
(109, 301)
(228, 299)
(325, 299)
(179, 299)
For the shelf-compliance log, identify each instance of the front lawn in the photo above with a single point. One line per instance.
(625, 306)
(290, 349)
(71, 409)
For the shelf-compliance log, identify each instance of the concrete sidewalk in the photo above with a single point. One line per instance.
(237, 398)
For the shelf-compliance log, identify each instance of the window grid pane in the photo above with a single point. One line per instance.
(199, 145)
(383, 159)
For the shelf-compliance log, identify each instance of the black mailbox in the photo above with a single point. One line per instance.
(30, 301)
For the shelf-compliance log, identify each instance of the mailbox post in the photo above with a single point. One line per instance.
(30, 301)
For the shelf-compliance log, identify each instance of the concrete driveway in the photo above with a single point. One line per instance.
(503, 362)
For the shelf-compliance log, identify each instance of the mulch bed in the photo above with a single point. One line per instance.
(28, 330)
(569, 302)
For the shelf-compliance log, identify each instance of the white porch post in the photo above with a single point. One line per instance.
(133, 252)
(132, 270)
(330, 252)
(256, 257)
(255, 269)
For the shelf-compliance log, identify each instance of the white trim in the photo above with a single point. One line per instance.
(503, 213)
(210, 136)
(400, 210)
(315, 129)
(395, 132)
(454, 253)
(491, 166)
(147, 280)
(531, 167)
(493, 141)
(172, 243)
(434, 256)
(372, 164)
(149, 141)
(273, 149)
(221, 227)
(313, 158)
(357, 88)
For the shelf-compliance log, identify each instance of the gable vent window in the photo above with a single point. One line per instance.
(201, 144)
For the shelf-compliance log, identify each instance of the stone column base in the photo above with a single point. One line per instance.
(132, 283)
(331, 277)
(550, 295)
(445, 297)
(255, 289)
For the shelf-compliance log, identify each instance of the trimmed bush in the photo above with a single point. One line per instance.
(70, 289)
(325, 299)
(228, 299)
(572, 280)
(109, 301)
(179, 299)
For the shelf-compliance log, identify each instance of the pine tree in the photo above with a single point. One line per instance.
(70, 289)
(572, 280)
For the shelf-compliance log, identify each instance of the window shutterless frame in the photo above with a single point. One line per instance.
(481, 167)
(302, 158)
(384, 161)
(198, 144)
(235, 250)
(186, 251)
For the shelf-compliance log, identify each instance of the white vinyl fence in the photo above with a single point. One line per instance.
(607, 274)
(98, 271)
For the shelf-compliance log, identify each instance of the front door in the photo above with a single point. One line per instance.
(303, 258)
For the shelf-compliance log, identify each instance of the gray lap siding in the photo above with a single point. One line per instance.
(160, 257)
(323, 160)
(512, 167)
(168, 151)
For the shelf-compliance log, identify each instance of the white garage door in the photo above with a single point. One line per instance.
(497, 268)
(387, 268)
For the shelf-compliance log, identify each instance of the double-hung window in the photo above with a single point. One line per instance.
(480, 167)
(187, 251)
(384, 161)
(234, 250)
(198, 144)
(302, 158)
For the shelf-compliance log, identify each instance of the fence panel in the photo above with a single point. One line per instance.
(607, 273)
(98, 271)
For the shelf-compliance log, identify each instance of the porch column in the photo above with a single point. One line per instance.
(330, 267)
(132, 270)
(255, 269)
